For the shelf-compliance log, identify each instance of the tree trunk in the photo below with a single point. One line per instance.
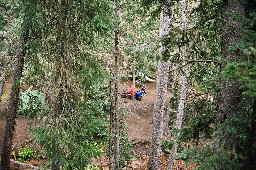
(117, 89)
(57, 111)
(179, 120)
(159, 108)
(229, 92)
(111, 124)
(183, 92)
(13, 106)
(133, 79)
(2, 81)
(161, 92)
(61, 79)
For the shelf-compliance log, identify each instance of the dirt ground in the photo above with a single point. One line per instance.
(138, 119)
(139, 115)
(21, 135)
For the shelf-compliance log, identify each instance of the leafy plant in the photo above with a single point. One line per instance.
(92, 167)
(126, 146)
(25, 153)
(31, 102)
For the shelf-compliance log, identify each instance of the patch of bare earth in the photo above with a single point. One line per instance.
(138, 119)
(138, 116)
(21, 135)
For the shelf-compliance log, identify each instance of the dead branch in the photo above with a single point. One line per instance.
(24, 164)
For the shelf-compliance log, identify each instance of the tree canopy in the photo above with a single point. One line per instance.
(79, 56)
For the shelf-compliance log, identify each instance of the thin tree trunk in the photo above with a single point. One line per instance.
(117, 89)
(229, 92)
(173, 83)
(183, 92)
(13, 106)
(133, 79)
(57, 111)
(2, 81)
(179, 121)
(161, 92)
(111, 124)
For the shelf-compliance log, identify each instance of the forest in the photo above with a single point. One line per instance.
(128, 84)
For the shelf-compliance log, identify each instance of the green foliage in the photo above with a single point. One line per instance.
(166, 144)
(203, 52)
(80, 136)
(208, 157)
(3, 17)
(184, 154)
(125, 147)
(31, 102)
(25, 153)
(198, 121)
(236, 126)
(67, 43)
(215, 159)
(63, 59)
(245, 69)
(92, 167)
(140, 45)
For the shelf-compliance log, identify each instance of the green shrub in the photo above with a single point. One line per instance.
(25, 153)
(31, 102)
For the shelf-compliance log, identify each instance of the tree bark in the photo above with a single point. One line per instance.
(179, 121)
(229, 92)
(111, 124)
(133, 79)
(117, 89)
(2, 81)
(61, 79)
(159, 109)
(161, 92)
(13, 106)
(183, 93)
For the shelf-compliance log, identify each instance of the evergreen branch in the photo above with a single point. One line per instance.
(196, 61)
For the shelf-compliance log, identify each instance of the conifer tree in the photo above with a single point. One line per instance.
(183, 91)
(161, 88)
(63, 63)
(229, 93)
(116, 110)
(14, 97)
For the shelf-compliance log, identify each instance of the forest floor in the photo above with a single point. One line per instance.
(138, 120)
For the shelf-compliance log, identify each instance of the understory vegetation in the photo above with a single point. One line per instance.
(68, 62)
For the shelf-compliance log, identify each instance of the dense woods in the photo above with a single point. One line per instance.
(69, 63)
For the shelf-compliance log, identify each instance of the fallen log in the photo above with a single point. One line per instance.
(24, 164)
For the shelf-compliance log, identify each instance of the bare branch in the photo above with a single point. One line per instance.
(24, 164)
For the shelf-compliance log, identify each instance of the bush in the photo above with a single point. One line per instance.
(31, 102)
(25, 153)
